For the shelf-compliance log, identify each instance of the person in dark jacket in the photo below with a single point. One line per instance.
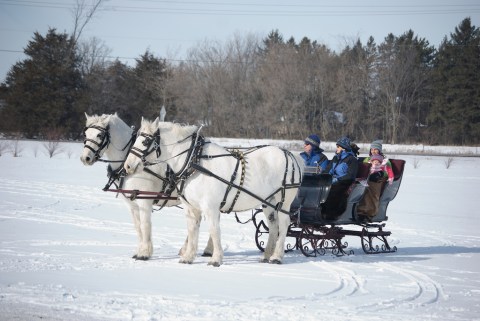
(343, 167)
(313, 154)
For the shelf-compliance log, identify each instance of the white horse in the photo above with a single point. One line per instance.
(214, 179)
(108, 135)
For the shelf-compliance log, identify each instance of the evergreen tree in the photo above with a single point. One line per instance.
(43, 89)
(150, 75)
(455, 114)
(111, 90)
(273, 40)
(354, 92)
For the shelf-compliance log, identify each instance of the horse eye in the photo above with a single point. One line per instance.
(146, 142)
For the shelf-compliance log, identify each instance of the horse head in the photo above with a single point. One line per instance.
(96, 138)
(146, 144)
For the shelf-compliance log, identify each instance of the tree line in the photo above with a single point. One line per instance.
(402, 90)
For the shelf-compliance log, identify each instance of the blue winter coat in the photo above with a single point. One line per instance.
(343, 167)
(316, 158)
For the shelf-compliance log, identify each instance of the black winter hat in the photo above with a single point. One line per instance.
(344, 142)
(313, 140)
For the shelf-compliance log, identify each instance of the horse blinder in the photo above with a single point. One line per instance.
(151, 142)
(103, 135)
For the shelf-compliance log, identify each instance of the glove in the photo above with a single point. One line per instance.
(376, 176)
(334, 180)
(390, 181)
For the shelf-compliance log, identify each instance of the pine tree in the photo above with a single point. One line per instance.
(150, 75)
(455, 113)
(43, 89)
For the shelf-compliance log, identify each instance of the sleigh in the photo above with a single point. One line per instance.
(322, 215)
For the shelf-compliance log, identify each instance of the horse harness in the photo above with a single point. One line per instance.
(192, 165)
(104, 135)
(118, 175)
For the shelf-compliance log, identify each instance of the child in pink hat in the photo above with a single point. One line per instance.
(380, 169)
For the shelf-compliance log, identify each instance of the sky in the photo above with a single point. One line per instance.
(170, 28)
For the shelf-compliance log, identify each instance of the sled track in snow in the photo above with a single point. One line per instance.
(348, 282)
(88, 196)
(419, 290)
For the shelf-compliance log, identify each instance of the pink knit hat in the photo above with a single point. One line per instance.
(376, 157)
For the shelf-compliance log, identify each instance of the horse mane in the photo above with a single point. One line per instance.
(95, 119)
(173, 129)
(104, 120)
(177, 130)
(115, 119)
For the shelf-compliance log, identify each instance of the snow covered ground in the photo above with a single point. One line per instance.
(65, 248)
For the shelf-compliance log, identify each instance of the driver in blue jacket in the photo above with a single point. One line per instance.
(313, 154)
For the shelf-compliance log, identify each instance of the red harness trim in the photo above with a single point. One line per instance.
(137, 194)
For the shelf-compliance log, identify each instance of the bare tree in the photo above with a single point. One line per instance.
(217, 77)
(83, 13)
(403, 73)
(448, 162)
(4, 146)
(93, 53)
(52, 148)
(16, 148)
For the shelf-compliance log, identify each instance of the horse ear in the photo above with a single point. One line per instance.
(156, 122)
(105, 118)
(86, 116)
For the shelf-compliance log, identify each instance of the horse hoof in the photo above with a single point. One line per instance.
(134, 257)
(215, 264)
(206, 254)
(141, 258)
(185, 262)
(263, 261)
(275, 261)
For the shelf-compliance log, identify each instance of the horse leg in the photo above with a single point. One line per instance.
(279, 250)
(184, 247)
(215, 237)
(283, 222)
(134, 210)
(206, 252)
(272, 222)
(146, 246)
(193, 226)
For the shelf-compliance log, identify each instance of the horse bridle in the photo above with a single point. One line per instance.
(104, 135)
(151, 143)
